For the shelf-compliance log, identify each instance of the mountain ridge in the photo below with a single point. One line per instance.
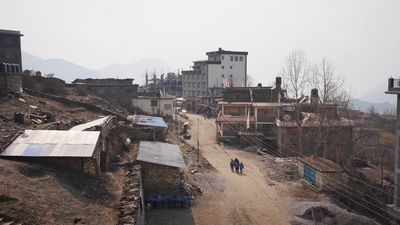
(70, 71)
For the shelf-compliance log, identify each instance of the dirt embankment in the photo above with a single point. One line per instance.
(47, 196)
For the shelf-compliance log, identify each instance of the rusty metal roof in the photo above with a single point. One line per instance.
(53, 143)
(161, 153)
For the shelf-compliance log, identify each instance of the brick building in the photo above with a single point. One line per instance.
(249, 111)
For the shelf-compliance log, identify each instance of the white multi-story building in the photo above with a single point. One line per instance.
(208, 77)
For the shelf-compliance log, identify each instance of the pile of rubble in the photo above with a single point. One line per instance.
(8, 131)
(193, 190)
(281, 169)
(131, 199)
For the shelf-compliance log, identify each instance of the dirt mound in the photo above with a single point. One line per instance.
(281, 169)
(306, 212)
(58, 199)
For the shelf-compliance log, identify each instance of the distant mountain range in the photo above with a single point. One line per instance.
(381, 108)
(69, 71)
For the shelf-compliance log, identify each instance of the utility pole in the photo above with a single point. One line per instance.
(198, 142)
(394, 210)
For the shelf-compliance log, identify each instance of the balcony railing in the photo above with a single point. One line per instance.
(230, 118)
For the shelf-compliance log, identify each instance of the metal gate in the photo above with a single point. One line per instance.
(309, 174)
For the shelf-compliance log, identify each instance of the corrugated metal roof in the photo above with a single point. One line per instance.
(161, 153)
(152, 121)
(84, 126)
(53, 143)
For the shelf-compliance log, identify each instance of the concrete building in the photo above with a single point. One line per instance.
(155, 104)
(249, 111)
(10, 61)
(208, 78)
(10, 49)
(121, 90)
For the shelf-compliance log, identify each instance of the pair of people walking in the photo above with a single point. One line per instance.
(236, 166)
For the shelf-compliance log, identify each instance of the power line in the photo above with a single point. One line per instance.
(345, 196)
(342, 188)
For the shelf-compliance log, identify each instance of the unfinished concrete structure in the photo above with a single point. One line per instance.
(10, 61)
(169, 83)
(121, 90)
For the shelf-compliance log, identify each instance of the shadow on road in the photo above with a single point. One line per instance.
(169, 217)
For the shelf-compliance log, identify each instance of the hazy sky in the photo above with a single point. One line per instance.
(362, 38)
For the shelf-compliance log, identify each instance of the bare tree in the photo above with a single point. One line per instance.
(249, 81)
(327, 81)
(296, 73)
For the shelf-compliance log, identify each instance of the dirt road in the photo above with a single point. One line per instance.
(230, 198)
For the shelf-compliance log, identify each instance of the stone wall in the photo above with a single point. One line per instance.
(161, 180)
(10, 82)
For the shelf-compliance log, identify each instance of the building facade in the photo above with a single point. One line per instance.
(122, 90)
(170, 83)
(249, 111)
(10, 61)
(10, 48)
(209, 77)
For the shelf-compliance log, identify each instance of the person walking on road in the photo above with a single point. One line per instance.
(232, 164)
(236, 165)
(241, 167)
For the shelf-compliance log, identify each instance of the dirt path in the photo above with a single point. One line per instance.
(230, 198)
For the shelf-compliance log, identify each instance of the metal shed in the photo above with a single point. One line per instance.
(161, 153)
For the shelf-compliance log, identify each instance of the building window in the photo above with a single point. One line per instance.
(267, 112)
(231, 67)
(222, 57)
(222, 67)
(222, 84)
(230, 75)
(231, 58)
(241, 58)
(236, 58)
(223, 76)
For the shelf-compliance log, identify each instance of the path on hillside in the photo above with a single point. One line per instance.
(230, 198)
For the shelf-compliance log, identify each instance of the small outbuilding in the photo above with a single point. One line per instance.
(148, 128)
(321, 174)
(162, 168)
(74, 150)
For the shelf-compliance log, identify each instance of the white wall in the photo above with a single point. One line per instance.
(164, 106)
(238, 71)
